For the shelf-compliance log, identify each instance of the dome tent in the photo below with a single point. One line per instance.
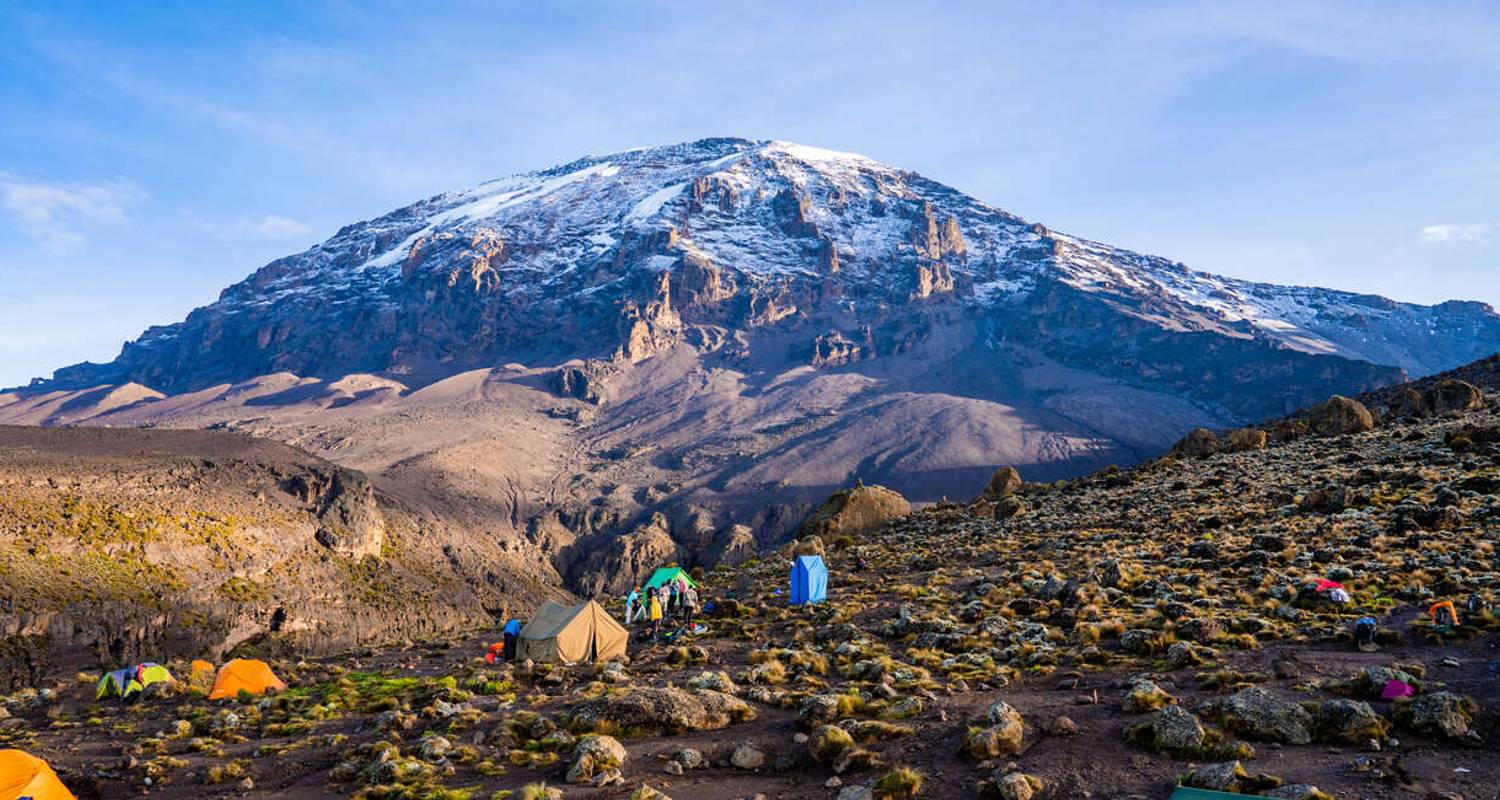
(809, 580)
(244, 675)
(585, 632)
(664, 575)
(23, 775)
(128, 683)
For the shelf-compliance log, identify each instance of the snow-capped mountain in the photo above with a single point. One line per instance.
(671, 352)
(726, 232)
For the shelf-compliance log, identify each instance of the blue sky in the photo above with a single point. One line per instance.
(151, 154)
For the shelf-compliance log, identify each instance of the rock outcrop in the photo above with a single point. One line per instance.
(1340, 416)
(854, 512)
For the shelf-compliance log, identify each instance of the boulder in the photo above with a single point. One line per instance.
(1006, 480)
(1145, 695)
(1443, 713)
(1140, 641)
(1177, 730)
(665, 710)
(1451, 396)
(1372, 680)
(1199, 443)
(1407, 402)
(1348, 722)
(1200, 629)
(1219, 777)
(1242, 439)
(1007, 507)
(1016, 786)
(1339, 416)
(992, 742)
(690, 758)
(718, 681)
(855, 512)
(1004, 736)
(1003, 713)
(748, 756)
(594, 754)
(818, 709)
(1256, 713)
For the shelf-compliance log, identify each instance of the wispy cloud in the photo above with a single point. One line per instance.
(267, 226)
(54, 213)
(1450, 232)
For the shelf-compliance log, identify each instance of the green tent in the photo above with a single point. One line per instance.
(1188, 793)
(665, 575)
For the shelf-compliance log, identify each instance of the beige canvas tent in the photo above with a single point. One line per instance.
(583, 632)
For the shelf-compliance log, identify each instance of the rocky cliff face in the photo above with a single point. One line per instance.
(680, 343)
(124, 545)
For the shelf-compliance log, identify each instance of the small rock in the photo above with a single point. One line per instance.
(748, 756)
(1017, 786)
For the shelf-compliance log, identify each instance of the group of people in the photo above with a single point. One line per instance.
(673, 601)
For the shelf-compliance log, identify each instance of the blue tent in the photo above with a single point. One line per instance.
(809, 580)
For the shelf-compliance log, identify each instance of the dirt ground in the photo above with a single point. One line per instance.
(1094, 763)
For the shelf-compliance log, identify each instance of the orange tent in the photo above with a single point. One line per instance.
(244, 674)
(23, 775)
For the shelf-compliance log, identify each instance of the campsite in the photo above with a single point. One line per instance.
(950, 648)
(620, 400)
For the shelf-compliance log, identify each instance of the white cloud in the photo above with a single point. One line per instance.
(54, 212)
(1448, 232)
(274, 226)
(267, 226)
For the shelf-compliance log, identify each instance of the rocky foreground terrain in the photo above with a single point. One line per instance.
(675, 353)
(1103, 637)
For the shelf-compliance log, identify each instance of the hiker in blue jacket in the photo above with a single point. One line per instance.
(512, 632)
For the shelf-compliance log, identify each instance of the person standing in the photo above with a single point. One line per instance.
(655, 616)
(630, 604)
(512, 633)
(689, 604)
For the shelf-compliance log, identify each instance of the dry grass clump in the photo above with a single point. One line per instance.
(900, 783)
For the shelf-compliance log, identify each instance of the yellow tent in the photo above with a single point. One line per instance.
(23, 775)
(244, 674)
(584, 632)
(129, 682)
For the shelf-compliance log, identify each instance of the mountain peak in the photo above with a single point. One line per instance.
(653, 244)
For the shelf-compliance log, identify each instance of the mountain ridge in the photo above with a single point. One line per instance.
(675, 353)
(640, 205)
